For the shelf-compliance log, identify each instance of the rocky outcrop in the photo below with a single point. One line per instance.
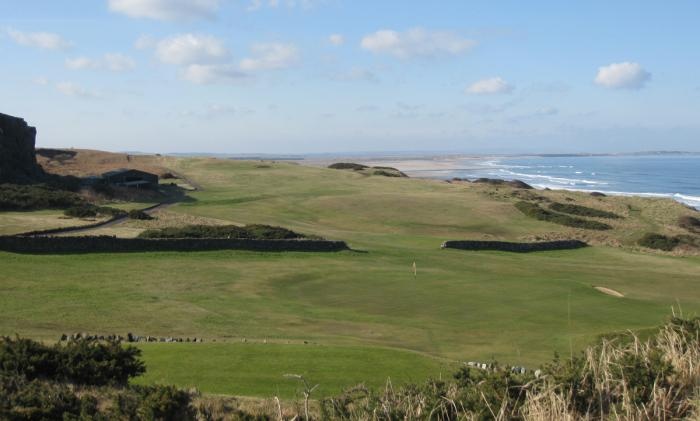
(17, 155)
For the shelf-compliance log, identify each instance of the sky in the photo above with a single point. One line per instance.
(341, 76)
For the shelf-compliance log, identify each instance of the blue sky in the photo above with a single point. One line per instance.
(300, 76)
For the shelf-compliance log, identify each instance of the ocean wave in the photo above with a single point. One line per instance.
(559, 180)
(693, 201)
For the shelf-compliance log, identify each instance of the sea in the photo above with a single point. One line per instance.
(658, 175)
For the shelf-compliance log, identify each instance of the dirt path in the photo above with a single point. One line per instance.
(610, 291)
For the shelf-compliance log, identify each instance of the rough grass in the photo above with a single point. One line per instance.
(467, 306)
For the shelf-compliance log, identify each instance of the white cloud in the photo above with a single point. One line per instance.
(416, 42)
(202, 74)
(113, 62)
(271, 56)
(166, 9)
(74, 90)
(336, 39)
(490, 86)
(191, 49)
(625, 75)
(41, 40)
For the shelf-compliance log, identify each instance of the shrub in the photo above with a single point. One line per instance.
(256, 232)
(579, 210)
(97, 363)
(385, 173)
(21, 399)
(81, 361)
(658, 242)
(348, 166)
(89, 211)
(164, 403)
(535, 211)
(518, 184)
(81, 211)
(38, 196)
(140, 215)
(690, 223)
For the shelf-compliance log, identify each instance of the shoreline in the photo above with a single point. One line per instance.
(444, 168)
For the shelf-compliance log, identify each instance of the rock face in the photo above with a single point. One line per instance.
(17, 155)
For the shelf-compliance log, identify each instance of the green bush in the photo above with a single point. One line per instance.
(256, 232)
(21, 399)
(658, 242)
(84, 211)
(39, 196)
(164, 403)
(80, 361)
(535, 211)
(139, 215)
(579, 210)
(690, 223)
(348, 166)
(90, 211)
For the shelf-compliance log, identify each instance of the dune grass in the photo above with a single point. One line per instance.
(516, 308)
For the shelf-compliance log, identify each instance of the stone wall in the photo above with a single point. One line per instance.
(108, 244)
(17, 155)
(514, 247)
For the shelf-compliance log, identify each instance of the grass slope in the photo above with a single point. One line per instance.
(461, 305)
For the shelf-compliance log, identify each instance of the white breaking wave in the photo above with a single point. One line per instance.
(693, 201)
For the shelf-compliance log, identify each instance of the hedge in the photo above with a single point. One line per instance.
(107, 244)
(255, 232)
(535, 211)
(514, 247)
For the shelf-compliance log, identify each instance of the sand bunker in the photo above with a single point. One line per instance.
(610, 292)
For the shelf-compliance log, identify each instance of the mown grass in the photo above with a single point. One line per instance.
(516, 308)
(256, 369)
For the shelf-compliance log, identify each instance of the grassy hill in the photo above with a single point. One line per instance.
(358, 308)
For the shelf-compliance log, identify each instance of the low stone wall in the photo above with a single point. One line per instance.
(108, 244)
(514, 247)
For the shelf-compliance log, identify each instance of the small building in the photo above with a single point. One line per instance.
(125, 177)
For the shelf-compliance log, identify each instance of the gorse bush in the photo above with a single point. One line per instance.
(348, 166)
(80, 361)
(579, 210)
(139, 215)
(690, 223)
(658, 242)
(535, 211)
(255, 232)
(22, 399)
(89, 211)
(39, 196)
